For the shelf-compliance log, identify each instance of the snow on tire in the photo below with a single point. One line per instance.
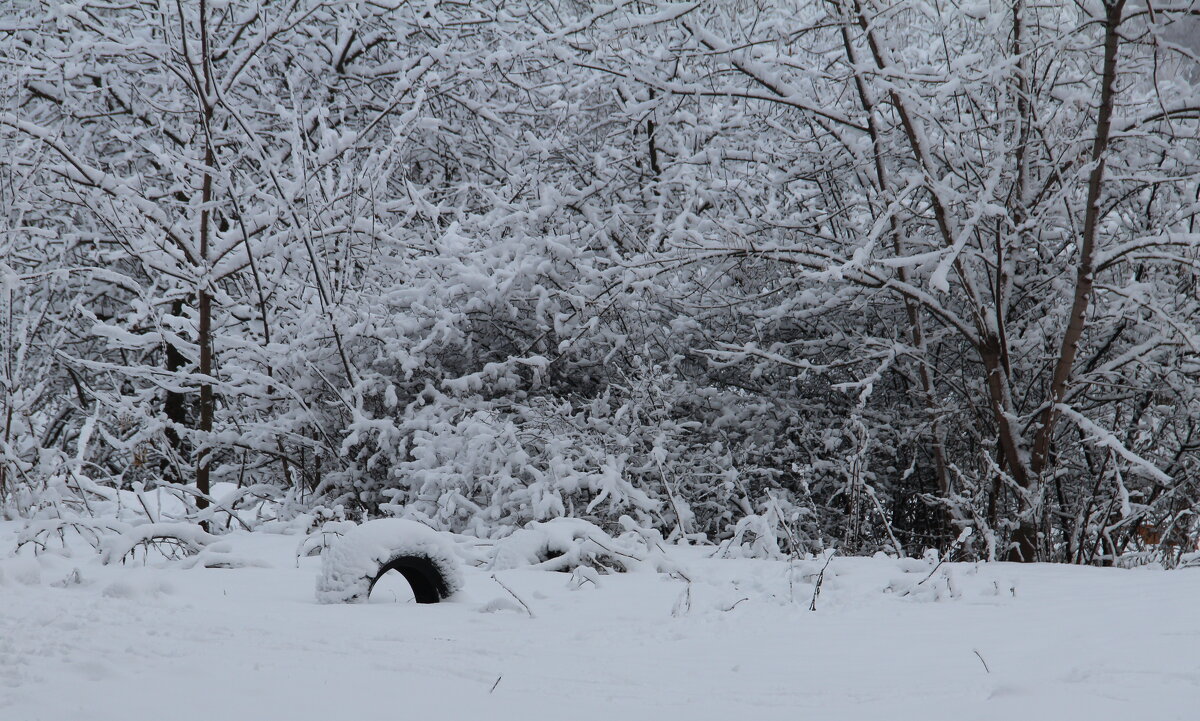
(352, 564)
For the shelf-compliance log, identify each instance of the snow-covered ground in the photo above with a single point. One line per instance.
(81, 640)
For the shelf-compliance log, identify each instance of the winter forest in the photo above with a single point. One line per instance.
(768, 279)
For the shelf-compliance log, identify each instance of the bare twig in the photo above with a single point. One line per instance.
(985, 666)
(735, 604)
(683, 604)
(812, 606)
(514, 595)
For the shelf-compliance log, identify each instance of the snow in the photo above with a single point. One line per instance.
(563, 544)
(353, 561)
(79, 639)
(190, 536)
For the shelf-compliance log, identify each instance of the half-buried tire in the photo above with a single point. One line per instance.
(352, 565)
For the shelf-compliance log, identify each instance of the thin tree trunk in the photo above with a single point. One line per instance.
(204, 293)
(174, 402)
(912, 311)
(1025, 539)
(1085, 271)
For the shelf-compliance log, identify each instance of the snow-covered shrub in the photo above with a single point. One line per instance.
(42, 535)
(171, 540)
(564, 544)
(317, 541)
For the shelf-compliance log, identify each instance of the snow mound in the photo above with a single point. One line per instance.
(129, 589)
(353, 563)
(564, 544)
(25, 571)
(221, 555)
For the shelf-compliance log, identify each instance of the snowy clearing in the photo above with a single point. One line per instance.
(79, 639)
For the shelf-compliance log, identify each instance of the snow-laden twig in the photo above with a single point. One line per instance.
(962, 536)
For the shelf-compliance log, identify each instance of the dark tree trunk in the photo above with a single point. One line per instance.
(175, 403)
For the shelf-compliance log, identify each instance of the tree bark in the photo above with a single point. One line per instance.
(204, 294)
(1085, 271)
(1025, 539)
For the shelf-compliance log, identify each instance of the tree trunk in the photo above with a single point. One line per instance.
(1024, 547)
(175, 402)
(203, 292)
(1025, 539)
(1085, 270)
